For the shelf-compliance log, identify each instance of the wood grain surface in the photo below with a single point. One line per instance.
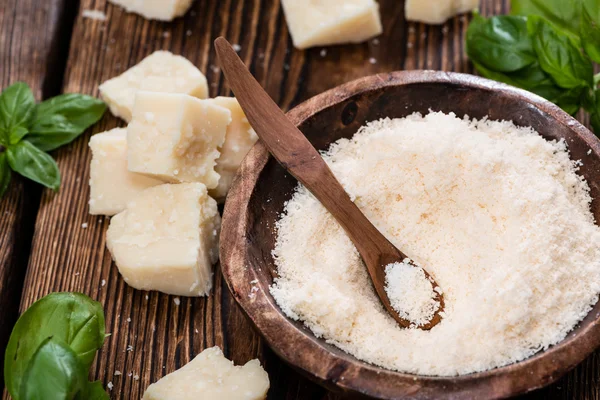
(67, 256)
(39, 61)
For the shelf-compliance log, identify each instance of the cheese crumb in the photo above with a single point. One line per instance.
(84, 225)
(109, 386)
(410, 292)
(495, 212)
(176, 301)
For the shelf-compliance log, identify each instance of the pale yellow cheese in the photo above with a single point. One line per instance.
(239, 139)
(437, 11)
(165, 10)
(167, 239)
(324, 22)
(159, 72)
(210, 376)
(112, 186)
(175, 137)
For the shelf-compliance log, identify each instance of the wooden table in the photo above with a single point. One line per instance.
(44, 246)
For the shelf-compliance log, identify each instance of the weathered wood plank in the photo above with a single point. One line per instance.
(65, 256)
(163, 334)
(34, 39)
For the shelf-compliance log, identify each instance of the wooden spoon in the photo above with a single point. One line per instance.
(295, 153)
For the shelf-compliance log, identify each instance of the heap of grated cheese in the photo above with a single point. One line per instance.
(495, 213)
(410, 292)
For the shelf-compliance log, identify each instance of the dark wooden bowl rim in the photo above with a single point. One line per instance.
(344, 373)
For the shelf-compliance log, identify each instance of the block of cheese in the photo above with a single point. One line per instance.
(112, 186)
(437, 11)
(324, 22)
(175, 137)
(210, 376)
(167, 239)
(164, 10)
(239, 139)
(159, 72)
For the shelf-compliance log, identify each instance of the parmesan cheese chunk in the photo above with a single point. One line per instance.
(167, 240)
(324, 22)
(210, 376)
(164, 10)
(437, 11)
(112, 186)
(175, 137)
(239, 139)
(159, 72)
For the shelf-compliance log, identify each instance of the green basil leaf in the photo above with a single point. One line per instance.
(501, 43)
(562, 13)
(595, 122)
(72, 318)
(534, 79)
(53, 373)
(531, 78)
(5, 174)
(16, 110)
(571, 100)
(558, 56)
(32, 163)
(95, 391)
(595, 115)
(61, 119)
(590, 29)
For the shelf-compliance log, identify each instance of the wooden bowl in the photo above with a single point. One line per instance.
(262, 187)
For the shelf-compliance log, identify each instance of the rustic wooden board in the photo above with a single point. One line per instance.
(37, 59)
(164, 335)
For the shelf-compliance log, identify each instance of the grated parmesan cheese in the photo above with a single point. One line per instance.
(410, 292)
(495, 213)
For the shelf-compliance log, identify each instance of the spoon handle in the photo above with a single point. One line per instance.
(296, 154)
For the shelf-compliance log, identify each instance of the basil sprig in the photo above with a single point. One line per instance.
(547, 47)
(29, 130)
(52, 347)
